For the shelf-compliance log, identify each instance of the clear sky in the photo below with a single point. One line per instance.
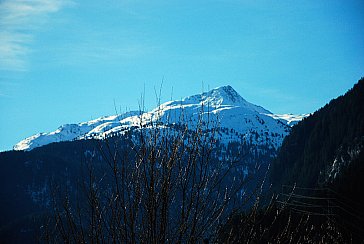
(68, 61)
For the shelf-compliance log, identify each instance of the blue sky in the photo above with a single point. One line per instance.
(68, 61)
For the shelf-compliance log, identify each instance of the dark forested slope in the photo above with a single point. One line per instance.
(325, 144)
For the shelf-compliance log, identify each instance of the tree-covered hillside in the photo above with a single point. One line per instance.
(320, 166)
(324, 144)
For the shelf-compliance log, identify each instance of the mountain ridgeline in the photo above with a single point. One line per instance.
(222, 105)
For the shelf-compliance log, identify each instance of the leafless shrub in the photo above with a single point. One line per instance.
(164, 184)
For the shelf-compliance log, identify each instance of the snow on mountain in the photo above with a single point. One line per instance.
(289, 119)
(69, 132)
(246, 121)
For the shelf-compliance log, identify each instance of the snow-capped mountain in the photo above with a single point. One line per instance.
(245, 121)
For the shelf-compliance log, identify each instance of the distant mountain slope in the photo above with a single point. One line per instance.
(325, 146)
(249, 122)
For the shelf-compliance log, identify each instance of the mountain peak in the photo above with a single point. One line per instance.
(227, 93)
(221, 97)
